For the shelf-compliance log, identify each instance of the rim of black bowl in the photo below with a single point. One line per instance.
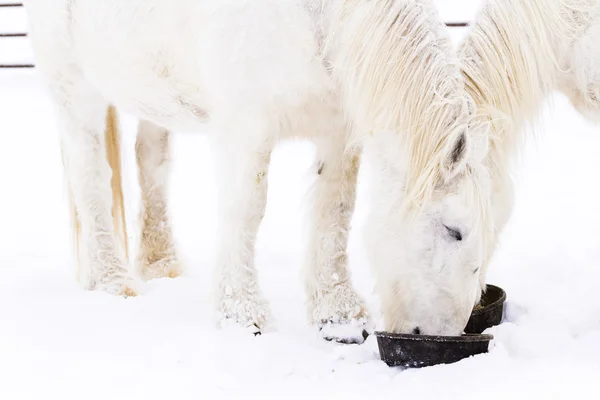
(493, 304)
(467, 337)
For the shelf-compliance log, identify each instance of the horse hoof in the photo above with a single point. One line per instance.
(346, 332)
(160, 269)
(118, 284)
(252, 328)
(242, 310)
(129, 292)
(124, 289)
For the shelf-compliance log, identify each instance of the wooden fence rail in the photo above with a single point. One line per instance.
(24, 34)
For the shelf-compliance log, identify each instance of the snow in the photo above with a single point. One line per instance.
(58, 340)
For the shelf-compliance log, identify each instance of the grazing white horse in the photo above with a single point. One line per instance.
(517, 53)
(346, 74)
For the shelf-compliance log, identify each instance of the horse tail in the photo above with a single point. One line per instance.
(76, 226)
(113, 156)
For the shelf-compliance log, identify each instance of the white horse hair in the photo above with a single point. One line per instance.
(350, 74)
(517, 53)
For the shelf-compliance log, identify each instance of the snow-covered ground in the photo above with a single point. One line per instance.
(57, 340)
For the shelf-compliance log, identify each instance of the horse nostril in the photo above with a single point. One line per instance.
(416, 331)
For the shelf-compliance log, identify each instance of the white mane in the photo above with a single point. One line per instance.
(393, 64)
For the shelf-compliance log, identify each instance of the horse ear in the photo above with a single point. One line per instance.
(456, 156)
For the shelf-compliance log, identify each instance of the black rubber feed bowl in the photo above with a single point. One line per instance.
(416, 351)
(488, 312)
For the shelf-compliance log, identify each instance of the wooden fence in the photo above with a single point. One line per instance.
(24, 34)
(11, 36)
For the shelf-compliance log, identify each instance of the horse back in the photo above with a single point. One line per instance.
(182, 63)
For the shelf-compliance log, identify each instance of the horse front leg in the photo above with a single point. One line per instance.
(333, 304)
(242, 171)
(157, 255)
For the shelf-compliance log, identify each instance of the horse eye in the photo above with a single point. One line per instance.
(454, 234)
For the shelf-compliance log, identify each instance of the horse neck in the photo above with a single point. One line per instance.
(398, 72)
(511, 61)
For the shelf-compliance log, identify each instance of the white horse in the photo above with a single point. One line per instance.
(344, 74)
(519, 52)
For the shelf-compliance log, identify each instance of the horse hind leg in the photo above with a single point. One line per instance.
(157, 255)
(91, 157)
(334, 306)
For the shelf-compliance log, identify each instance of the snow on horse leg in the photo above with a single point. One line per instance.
(157, 256)
(242, 168)
(333, 304)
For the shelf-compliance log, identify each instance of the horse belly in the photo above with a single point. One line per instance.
(176, 104)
